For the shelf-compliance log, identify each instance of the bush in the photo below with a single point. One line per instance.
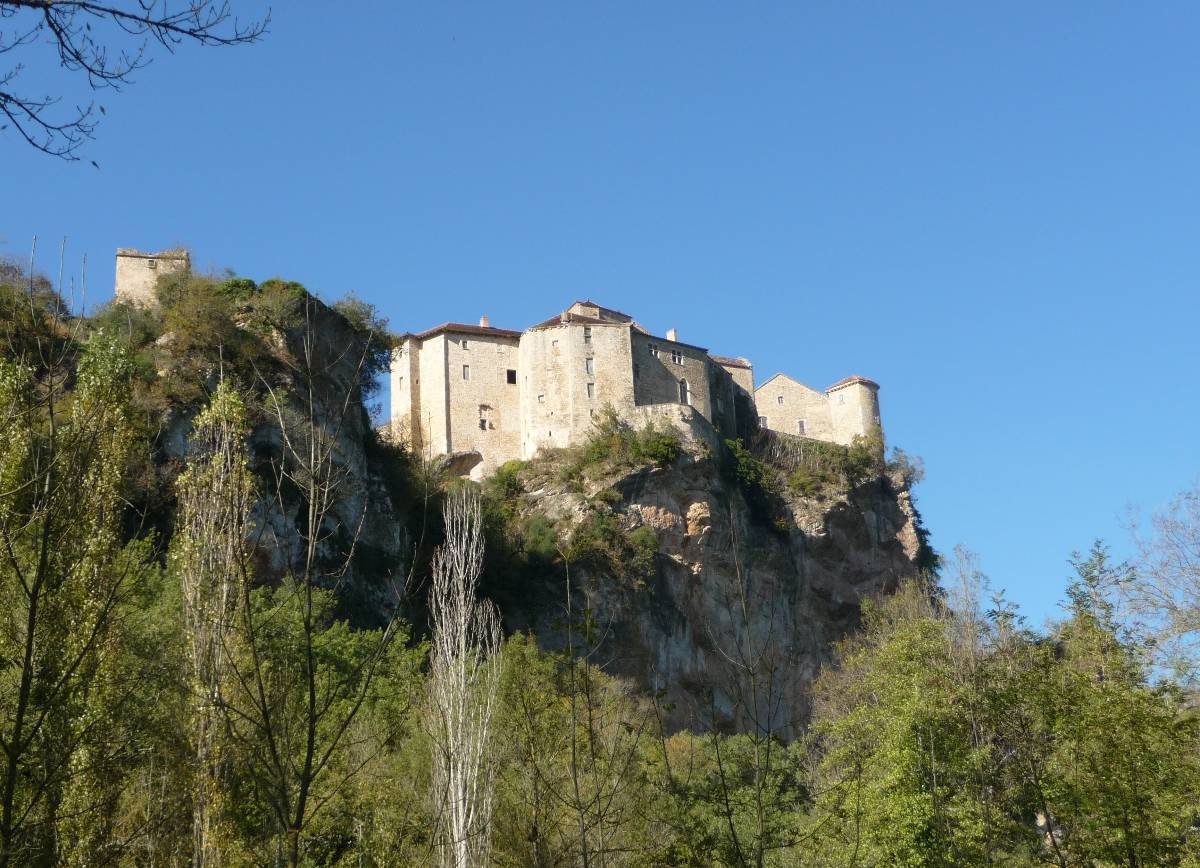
(615, 445)
(759, 482)
(601, 544)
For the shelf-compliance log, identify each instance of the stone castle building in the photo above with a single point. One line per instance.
(138, 272)
(486, 395)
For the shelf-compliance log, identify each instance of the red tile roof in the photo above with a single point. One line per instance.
(730, 362)
(851, 380)
(465, 329)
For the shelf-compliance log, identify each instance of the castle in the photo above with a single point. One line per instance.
(486, 395)
(483, 395)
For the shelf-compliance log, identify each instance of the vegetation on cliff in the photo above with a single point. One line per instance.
(177, 687)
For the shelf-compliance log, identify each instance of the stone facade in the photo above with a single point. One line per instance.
(847, 409)
(137, 273)
(482, 396)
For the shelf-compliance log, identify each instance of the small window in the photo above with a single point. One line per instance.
(591, 390)
(152, 263)
(587, 334)
(485, 417)
(466, 345)
(654, 350)
(541, 399)
(720, 405)
(589, 366)
(799, 426)
(399, 382)
(677, 357)
(466, 372)
(685, 394)
(554, 344)
(876, 419)
(780, 399)
(762, 421)
(841, 399)
(511, 377)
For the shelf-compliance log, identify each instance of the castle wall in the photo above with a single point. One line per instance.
(138, 272)
(656, 377)
(557, 407)
(406, 393)
(854, 411)
(434, 403)
(799, 402)
(484, 408)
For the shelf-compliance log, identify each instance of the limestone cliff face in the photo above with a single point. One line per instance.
(740, 612)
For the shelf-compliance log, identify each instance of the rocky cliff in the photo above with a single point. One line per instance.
(744, 590)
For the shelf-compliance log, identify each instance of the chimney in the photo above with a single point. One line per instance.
(672, 335)
(485, 322)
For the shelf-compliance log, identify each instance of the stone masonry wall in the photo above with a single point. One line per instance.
(484, 407)
(799, 402)
(657, 375)
(137, 273)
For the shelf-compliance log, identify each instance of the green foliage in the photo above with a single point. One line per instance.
(760, 485)
(601, 544)
(614, 446)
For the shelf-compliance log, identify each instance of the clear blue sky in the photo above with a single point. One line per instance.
(991, 209)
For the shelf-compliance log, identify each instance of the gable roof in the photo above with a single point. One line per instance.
(463, 329)
(775, 377)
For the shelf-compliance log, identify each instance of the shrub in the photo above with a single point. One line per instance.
(600, 543)
(615, 445)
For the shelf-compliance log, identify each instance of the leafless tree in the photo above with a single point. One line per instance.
(104, 43)
(1163, 590)
(463, 684)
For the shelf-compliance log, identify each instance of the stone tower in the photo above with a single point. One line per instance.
(854, 407)
(137, 273)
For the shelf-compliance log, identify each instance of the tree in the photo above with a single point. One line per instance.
(463, 682)
(104, 43)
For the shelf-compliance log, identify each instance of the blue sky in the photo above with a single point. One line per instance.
(993, 210)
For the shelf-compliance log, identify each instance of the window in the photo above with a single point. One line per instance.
(719, 404)
(841, 399)
(541, 399)
(399, 382)
(589, 366)
(685, 395)
(587, 334)
(485, 417)
(653, 350)
(762, 421)
(511, 377)
(591, 390)
(466, 372)
(799, 426)
(152, 263)
(466, 345)
(554, 344)
(780, 399)
(677, 357)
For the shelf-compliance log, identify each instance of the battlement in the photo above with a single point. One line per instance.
(488, 395)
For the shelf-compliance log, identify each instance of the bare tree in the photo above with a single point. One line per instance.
(105, 43)
(463, 684)
(1164, 588)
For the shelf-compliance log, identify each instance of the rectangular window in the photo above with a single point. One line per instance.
(719, 404)
(150, 263)
(762, 421)
(399, 382)
(780, 399)
(511, 376)
(591, 390)
(799, 426)
(485, 417)
(589, 366)
(654, 350)
(541, 399)
(554, 344)
(841, 399)
(587, 334)
(466, 372)
(466, 345)
(677, 357)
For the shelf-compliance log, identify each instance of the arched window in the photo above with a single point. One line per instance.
(685, 395)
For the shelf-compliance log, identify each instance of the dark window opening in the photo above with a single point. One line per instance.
(512, 377)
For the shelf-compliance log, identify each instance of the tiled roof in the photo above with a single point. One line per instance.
(574, 317)
(465, 329)
(730, 362)
(604, 309)
(851, 380)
